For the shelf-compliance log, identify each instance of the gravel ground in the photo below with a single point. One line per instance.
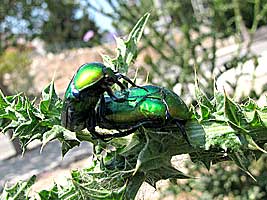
(36, 163)
(50, 167)
(59, 175)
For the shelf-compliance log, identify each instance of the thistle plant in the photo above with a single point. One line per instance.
(219, 129)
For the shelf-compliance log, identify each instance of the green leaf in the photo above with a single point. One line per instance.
(67, 138)
(50, 104)
(3, 101)
(249, 140)
(51, 194)
(216, 137)
(66, 145)
(138, 29)
(250, 105)
(50, 135)
(108, 61)
(127, 50)
(204, 103)
(233, 112)
(242, 161)
(219, 104)
(18, 191)
(163, 173)
(134, 184)
(205, 112)
(256, 121)
(200, 157)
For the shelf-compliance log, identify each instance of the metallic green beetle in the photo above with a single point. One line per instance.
(84, 92)
(153, 107)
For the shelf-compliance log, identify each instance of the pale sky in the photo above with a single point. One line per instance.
(101, 20)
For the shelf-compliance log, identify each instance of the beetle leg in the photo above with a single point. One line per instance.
(91, 124)
(123, 87)
(64, 117)
(130, 130)
(176, 121)
(96, 135)
(120, 133)
(100, 108)
(168, 115)
(131, 82)
(182, 130)
(107, 137)
(104, 137)
(127, 132)
(113, 96)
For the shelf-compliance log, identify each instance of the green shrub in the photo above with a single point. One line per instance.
(14, 70)
(223, 180)
(219, 130)
(183, 35)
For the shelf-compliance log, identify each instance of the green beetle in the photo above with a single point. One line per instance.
(153, 107)
(84, 92)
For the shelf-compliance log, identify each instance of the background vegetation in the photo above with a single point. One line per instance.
(179, 37)
(187, 34)
(61, 23)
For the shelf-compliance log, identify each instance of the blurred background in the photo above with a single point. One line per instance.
(224, 40)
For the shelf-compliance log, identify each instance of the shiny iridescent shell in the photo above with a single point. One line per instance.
(86, 76)
(152, 106)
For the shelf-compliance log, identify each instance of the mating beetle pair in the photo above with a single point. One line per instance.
(83, 93)
(85, 105)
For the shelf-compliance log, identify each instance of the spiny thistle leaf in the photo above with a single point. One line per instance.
(242, 161)
(30, 122)
(233, 111)
(224, 138)
(57, 132)
(127, 50)
(228, 125)
(18, 191)
(237, 120)
(204, 103)
(49, 195)
(218, 102)
(256, 120)
(219, 130)
(50, 104)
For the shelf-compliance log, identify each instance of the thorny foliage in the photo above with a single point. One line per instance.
(219, 130)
